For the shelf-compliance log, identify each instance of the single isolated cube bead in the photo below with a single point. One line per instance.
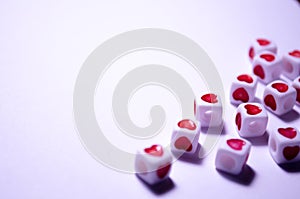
(185, 136)
(232, 155)
(243, 89)
(251, 120)
(267, 66)
(208, 110)
(291, 64)
(260, 45)
(284, 145)
(153, 164)
(279, 97)
(296, 85)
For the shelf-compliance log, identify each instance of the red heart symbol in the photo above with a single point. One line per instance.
(188, 124)
(267, 57)
(263, 42)
(162, 171)
(245, 78)
(290, 152)
(288, 132)
(259, 71)
(236, 144)
(251, 52)
(155, 150)
(252, 109)
(240, 94)
(238, 120)
(295, 53)
(210, 98)
(281, 87)
(270, 102)
(298, 94)
(183, 143)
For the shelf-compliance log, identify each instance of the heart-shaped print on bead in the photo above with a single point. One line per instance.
(295, 53)
(236, 144)
(210, 98)
(252, 109)
(268, 57)
(259, 71)
(288, 132)
(187, 124)
(280, 87)
(238, 120)
(251, 53)
(270, 102)
(263, 42)
(240, 94)
(155, 150)
(290, 152)
(183, 143)
(162, 171)
(245, 78)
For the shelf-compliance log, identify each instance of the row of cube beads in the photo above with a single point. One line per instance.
(153, 164)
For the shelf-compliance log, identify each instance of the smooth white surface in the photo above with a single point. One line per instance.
(42, 47)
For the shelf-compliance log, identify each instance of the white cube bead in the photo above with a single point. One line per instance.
(243, 89)
(208, 110)
(296, 85)
(232, 155)
(291, 64)
(185, 136)
(153, 164)
(251, 120)
(284, 145)
(267, 66)
(279, 97)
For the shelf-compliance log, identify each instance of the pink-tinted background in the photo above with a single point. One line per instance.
(42, 47)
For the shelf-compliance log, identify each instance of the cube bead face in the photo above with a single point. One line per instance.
(232, 155)
(153, 164)
(261, 44)
(291, 64)
(267, 66)
(279, 97)
(296, 85)
(208, 110)
(284, 145)
(185, 136)
(251, 120)
(243, 89)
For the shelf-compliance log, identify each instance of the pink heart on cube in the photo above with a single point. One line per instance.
(188, 124)
(280, 87)
(155, 150)
(288, 132)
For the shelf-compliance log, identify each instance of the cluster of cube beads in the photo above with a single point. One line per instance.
(153, 164)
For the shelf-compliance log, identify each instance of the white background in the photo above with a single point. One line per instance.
(42, 47)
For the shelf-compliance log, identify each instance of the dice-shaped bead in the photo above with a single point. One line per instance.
(284, 145)
(267, 66)
(243, 89)
(185, 136)
(208, 110)
(296, 85)
(279, 97)
(291, 64)
(251, 120)
(232, 155)
(153, 164)
(260, 45)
